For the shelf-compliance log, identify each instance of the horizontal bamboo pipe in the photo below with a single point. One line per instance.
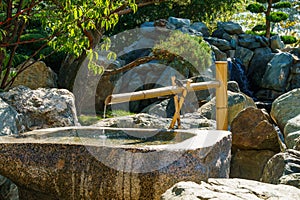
(158, 92)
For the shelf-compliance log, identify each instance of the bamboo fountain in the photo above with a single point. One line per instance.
(221, 95)
(84, 163)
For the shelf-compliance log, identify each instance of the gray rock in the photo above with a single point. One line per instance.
(230, 27)
(8, 190)
(258, 65)
(249, 164)
(219, 55)
(222, 44)
(236, 103)
(179, 22)
(294, 80)
(292, 140)
(249, 41)
(235, 189)
(218, 33)
(296, 67)
(263, 41)
(276, 42)
(38, 75)
(286, 107)
(251, 129)
(277, 72)
(283, 168)
(42, 107)
(291, 131)
(190, 31)
(143, 120)
(245, 55)
(9, 119)
(200, 27)
(267, 94)
(233, 86)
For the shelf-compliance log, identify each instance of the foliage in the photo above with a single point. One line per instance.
(284, 4)
(287, 39)
(187, 51)
(259, 27)
(71, 28)
(271, 16)
(207, 11)
(256, 8)
(278, 16)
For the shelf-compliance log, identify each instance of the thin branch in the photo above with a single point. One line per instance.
(8, 19)
(131, 65)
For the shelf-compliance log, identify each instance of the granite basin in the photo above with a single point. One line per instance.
(111, 163)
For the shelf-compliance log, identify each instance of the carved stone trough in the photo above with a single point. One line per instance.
(111, 163)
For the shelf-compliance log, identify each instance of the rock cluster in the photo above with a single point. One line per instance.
(270, 69)
(238, 189)
(41, 108)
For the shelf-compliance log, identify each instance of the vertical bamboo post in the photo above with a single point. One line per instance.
(221, 96)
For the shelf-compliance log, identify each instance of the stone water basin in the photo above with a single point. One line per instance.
(111, 163)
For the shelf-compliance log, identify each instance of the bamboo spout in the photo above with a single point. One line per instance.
(158, 92)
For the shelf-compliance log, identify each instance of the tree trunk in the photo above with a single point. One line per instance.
(268, 22)
(72, 64)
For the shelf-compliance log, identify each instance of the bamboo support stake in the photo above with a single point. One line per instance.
(221, 96)
(178, 103)
(176, 116)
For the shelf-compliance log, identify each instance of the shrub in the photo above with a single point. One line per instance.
(186, 51)
(288, 39)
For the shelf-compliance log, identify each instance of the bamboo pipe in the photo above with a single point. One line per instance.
(221, 96)
(158, 92)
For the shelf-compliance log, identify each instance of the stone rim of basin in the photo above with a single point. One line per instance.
(121, 157)
(199, 138)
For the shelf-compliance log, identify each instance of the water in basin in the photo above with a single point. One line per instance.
(109, 137)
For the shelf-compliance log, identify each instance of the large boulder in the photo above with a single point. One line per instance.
(254, 142)
(179, 22)
(9, 119)
(286, 107)
(200, 27)
(277, 72)
(38, 75)
(237, 189)
(222, 44)
(283, 168)
(245, 55)
(236, 103)
(292, 132)
(42, 108)
(249, 164)
(230, 27)
(249, 41)
(251, 129)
